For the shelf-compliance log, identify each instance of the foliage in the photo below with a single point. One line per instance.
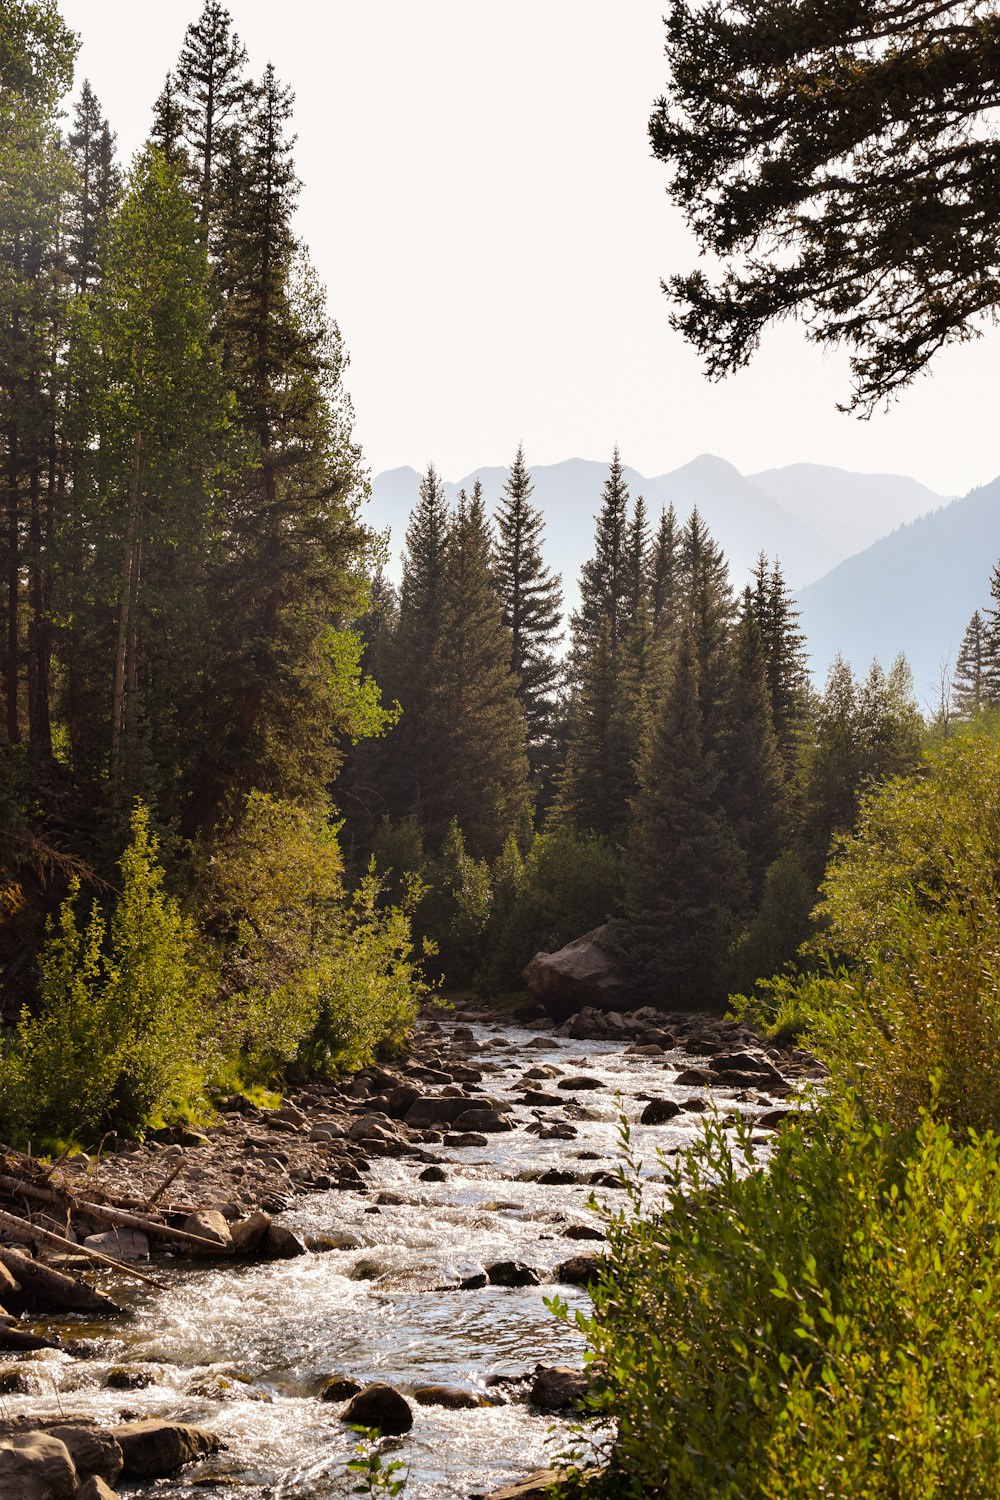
(569, 884)
(376, 1477)
(910, 905)
(777, 929)
(824, 1327)
(841, 161)
(119, 1037)
(456, 912)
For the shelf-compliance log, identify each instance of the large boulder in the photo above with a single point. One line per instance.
(155, 1450)
(34, 1466)
(380, 1405)
(582, 973)
(92, 1450)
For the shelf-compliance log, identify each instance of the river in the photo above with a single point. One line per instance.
(244, 1351)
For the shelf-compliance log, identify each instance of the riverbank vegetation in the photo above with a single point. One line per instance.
(822, 1326)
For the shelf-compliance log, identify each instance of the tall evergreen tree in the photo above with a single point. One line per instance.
(210, 88)
(785, 656)
(167, 133)
(685, 880)
(273, 695)
(480, 774)
(531, 600)
(708, 612)
(91, 146)
(754, 788)
(36, 60)
(665, 575)
(637, 559)
(975, 670)
(604, 583)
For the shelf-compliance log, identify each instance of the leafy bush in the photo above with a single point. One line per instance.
(826, 1327)
(455, 913)
(569, 885)
(117, 1040)
(910, 911)
(312, 977)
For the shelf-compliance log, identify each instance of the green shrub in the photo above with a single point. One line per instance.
(910, 913)
(455, 912)
(117, 1039)
(569, 885)
(826, 1327)
(777, 931)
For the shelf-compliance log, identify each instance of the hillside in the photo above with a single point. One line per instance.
(848, 510)
(912, 591)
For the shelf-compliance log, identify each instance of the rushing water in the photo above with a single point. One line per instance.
(244, 1351)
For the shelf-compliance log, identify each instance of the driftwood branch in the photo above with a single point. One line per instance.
(11, 1221)
(120, 1217)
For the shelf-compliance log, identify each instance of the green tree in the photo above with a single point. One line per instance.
(604, 581)
(664, 574)
(684, 873)
(785, 655)
(531, 600)
(840, 160)
(480, 773)
(91, 148)
(279, 688)
(205, 94)
(974, 684)
(753, 789)
(709, 612)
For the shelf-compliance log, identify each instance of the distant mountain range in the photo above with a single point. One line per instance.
(880, 563)
(912, 591)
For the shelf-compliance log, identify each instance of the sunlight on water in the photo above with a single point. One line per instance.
(245, 1351)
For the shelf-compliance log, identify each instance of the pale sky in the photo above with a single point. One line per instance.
(480, 199)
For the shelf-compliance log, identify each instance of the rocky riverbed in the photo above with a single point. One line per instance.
(426, 1212)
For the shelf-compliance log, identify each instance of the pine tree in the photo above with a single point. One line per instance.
(210, 88)
(785, 655)
(167, 133)
(708, 613)
(411, 750)
(590, 796)
(974, 670)
(754, 790)
(480, 774)
(665, 575)
(637, 559)
(91, 147)
(531, 600)
(274, 697)
(685, 881)
(36, 60)
(604, 583)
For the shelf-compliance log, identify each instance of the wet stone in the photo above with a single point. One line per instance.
(380, 1405)
(512, 1273)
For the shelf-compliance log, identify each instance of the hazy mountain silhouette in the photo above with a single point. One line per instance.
(912, 591)
(742, 516)
(849, 511)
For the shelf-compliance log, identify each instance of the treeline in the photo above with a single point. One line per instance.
(674, 772)
(182, 554)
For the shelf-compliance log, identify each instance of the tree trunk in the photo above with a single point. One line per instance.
(128, 585)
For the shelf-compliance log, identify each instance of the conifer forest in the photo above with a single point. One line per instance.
(275, 816)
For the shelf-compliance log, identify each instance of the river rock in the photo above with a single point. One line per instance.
(119, 1244)
(772, 1119)
(659, 1111)
(280, 1243)
(248, 1233)
(9, 1287)
(155, 1450)
(128, 1378)
(35, 1466)
(95, 1489)
(450, 1396)
(339, 1388)
(747, 1064)
(380, 1405)
(557, 1388)
(581, 973)
(464, 1139)
(538, 1099)
(441, 1109)
(575, 1085)
(580, 1270)
(582, 1232)
(433, 1174)
(93, 1451)
(696, 1078)
(13, 1381)
(209, 1224)
(511, 1273)
(485, 1121)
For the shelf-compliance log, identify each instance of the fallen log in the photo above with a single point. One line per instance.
(11, 1221)
(46, 1290)
(103, 1211)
